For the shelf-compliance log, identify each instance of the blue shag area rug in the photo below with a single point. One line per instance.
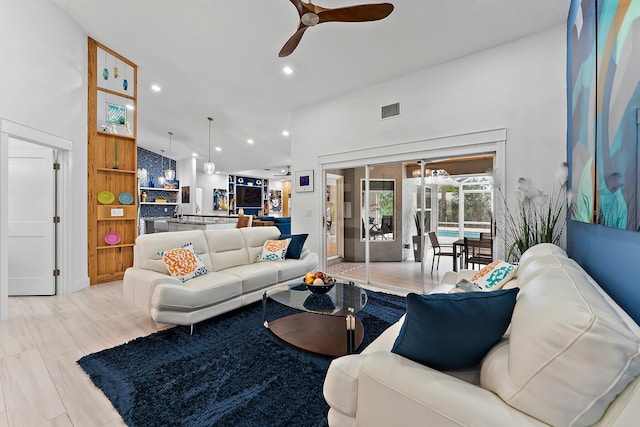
(231, 372)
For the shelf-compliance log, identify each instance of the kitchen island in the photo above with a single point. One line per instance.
(189, 222)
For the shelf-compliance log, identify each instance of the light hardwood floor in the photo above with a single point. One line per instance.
(40, 382)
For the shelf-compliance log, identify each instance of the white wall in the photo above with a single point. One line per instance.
(43, 84)
(519, 86)
(186, 174)
(208, 183)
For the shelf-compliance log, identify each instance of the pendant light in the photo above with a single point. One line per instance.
(170, 174)
(161, 178)
(209, 167)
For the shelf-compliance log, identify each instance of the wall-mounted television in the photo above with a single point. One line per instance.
(248, 197)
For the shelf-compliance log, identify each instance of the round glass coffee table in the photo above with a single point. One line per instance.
(327, 323)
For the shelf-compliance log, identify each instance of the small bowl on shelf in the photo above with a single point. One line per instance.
(320, 289)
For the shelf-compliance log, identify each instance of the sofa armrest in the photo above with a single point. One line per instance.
(138, 285)
(393, 390)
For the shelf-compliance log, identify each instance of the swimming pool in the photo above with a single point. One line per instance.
(454, 233)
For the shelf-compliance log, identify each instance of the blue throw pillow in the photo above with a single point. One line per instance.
(454, 331)
(297, 243)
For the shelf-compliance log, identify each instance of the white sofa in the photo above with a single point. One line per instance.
(570, 358)
(234, 279)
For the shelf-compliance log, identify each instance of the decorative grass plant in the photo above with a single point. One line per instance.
(540, 218)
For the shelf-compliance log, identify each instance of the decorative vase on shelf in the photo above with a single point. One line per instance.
(150, 184)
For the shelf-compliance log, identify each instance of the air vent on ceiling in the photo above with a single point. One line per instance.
(391, 110)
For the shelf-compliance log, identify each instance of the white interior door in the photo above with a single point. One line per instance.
(31, 232)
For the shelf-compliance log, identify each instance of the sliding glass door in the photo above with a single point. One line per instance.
(378, 218)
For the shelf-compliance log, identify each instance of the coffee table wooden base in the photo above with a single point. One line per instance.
(317, 333)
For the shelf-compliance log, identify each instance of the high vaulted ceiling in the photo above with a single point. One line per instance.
(220, 58)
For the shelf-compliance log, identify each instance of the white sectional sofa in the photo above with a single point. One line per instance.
(571, 357)
(234, 278)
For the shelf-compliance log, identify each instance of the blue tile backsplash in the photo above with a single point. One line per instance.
(153, 163)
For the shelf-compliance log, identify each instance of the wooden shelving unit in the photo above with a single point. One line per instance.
(112, 163)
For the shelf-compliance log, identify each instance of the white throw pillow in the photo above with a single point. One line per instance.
(495, 275)
(274, 250)
(492, 277)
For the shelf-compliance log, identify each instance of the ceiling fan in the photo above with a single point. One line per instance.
(288, 173)
(311, 15)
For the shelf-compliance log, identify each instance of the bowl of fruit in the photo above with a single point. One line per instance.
(318, 282)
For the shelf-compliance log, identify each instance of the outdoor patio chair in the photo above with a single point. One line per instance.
(440, 250)
(478, 251)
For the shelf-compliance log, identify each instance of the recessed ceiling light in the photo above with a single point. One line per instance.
(287, 70)
(218, 172)
(250, 141)
(218, 149)
(285, 133)
(282, 170)
(194, 154)
(156, 88)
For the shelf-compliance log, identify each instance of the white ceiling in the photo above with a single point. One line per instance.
(220, 59)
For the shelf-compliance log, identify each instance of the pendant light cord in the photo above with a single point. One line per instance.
(210, 120)
(170, 135)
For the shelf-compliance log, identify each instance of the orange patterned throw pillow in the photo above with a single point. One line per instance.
(274, 250)
(183, 263)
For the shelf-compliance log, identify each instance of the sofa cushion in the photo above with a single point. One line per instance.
(254, 238)
(296, 268)
(255, 276)
(538, 259)
(454, 331)
(226, 248)
(297, 243)
(569, 352)
(274, 250)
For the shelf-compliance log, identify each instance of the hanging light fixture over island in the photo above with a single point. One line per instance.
(209, 167)
(170, 174)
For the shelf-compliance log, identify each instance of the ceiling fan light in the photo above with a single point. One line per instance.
(209, 168)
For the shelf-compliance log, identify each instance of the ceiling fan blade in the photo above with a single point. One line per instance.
(360, 13)
(293, 41)
(299, 6)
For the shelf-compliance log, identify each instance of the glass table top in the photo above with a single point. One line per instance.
(340, 300)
